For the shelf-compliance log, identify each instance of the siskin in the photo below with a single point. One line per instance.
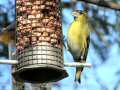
(78, 39)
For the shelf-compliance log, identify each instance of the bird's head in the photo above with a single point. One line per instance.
(80, 14)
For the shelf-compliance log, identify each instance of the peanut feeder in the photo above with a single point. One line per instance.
(38, 41)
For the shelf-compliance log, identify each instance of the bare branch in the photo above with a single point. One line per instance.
(101, 3)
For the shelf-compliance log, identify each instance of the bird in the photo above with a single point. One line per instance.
(78, 39)
(8, 34)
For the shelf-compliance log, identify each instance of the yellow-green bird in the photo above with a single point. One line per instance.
(78, 39)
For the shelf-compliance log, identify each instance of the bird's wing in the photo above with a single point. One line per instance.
(86, 50)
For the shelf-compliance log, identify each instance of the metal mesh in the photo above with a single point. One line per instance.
(38, 39)
(41, 54)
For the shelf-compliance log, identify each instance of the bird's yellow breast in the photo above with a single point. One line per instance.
(77, 32)
(77, 36)
(74, 29)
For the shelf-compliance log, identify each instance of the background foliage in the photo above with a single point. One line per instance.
(104, 51)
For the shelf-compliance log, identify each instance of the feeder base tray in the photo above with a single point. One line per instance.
(40, 74)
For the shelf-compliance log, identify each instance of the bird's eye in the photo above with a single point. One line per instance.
(81, 12)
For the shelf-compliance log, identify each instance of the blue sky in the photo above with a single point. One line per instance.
(106, 72)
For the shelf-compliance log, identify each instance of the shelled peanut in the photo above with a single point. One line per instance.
(38, 21)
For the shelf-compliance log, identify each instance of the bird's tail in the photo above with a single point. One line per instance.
(78, 74)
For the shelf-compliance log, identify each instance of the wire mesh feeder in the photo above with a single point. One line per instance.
(38, 41)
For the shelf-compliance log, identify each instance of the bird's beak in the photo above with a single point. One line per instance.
(75, 13)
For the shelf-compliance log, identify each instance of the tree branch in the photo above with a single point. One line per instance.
(101, 3)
